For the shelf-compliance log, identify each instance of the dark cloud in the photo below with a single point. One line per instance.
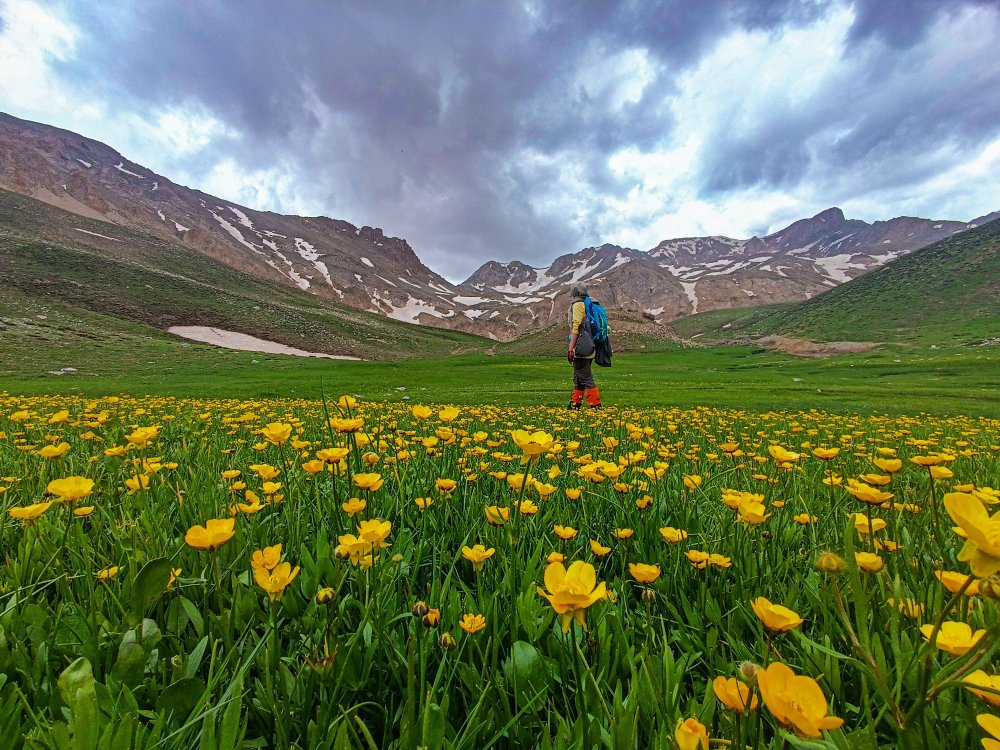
(416, 116)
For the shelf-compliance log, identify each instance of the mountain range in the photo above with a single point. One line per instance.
(362, 268)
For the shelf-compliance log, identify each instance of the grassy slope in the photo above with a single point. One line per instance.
(70, 306)
(160, 284)
(947, 293)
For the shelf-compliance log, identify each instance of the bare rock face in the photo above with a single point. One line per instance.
(363, 268)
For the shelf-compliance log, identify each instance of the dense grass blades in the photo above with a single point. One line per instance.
(331, 574)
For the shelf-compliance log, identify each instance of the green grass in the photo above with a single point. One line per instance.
(161, 284)
(946, 293)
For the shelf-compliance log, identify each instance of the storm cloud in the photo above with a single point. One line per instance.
(524, 130)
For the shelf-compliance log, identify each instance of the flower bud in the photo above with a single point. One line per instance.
(447, 641)
(325, 596)
(990, 587)
(748, 671)
(830, 562)
(432, 618)
(648, 595)
(419, 609)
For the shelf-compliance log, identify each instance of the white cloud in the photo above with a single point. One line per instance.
(32, 38)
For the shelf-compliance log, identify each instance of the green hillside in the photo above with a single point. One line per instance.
(945, 294)
(54, 291)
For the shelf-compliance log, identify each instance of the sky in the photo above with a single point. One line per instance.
(528, 129)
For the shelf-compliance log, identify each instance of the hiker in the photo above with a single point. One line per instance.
(581, 351)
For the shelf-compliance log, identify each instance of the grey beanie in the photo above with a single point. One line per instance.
(578, 289)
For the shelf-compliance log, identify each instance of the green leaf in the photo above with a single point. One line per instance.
(130, 664)
(181, 696)
(525, 670)
(78, 690)
(149, 584)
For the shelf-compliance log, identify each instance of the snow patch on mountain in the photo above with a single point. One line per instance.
(120, 166)
(241, 217)
(837, 266)
(95, 234)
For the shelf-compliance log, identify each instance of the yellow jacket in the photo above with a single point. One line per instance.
(577, 312)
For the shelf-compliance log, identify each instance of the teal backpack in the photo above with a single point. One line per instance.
(598, 320)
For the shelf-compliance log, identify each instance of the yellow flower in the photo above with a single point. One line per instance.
(775, 617)
(571, 591)
(672, 535)
(888, 465)
(692, 481)
(448, 414)
(804, 518)
(932, 459)
(141, 436)
(954, 582)
(979, 678)
(734, 695)
(211, 536)
(878, 480)
(54, 451)
(599, 549)
(644, 573)
(82, 511)
(861, 524)
(782, 455)
(477, 555)
(346, 425)
(698, 558)
(333, 455)
(573, 493)
(71, 489)
(719, 561)
(137, 482)
(29, 514)
(347, 402)
(982, 545)
(423, 502)
(941, 472)
(908, 607)
(623, 534)
(353, 506)
(313, 467)
(471, 623)
(795, 700)
(422, 412)
(992, 725)
(954, 638)
(869, 562)
(867, 494)
(265, 471)
(108, 573)
(444, 486)
(230, 474)
(266, 558)
(691, 734)
(533, 444)
(566, 533)
(527, 507)
(497, 516)
(275, 581)
(277, 433)
(370, 482)
(826, 454)
(752, 512)
(555, 556)
(374, 532)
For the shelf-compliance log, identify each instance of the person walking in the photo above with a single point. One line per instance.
(581, 351)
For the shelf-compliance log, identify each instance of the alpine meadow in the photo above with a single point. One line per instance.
(275, 479)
